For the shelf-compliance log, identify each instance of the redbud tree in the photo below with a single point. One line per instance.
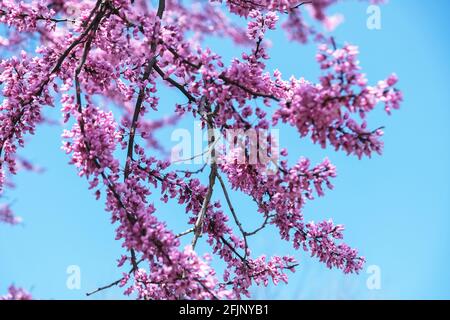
(104, 62)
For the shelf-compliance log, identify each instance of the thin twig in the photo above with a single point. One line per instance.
(212, 175)
(181, 234)
(112, 284)
(233, 212)
(174, 83)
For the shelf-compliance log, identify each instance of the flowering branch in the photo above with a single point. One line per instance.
(123, 52)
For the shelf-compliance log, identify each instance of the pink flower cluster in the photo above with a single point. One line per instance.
(15, 293)
(197, 281)
(20, 108)
(24, 16)
(174, 273)
(280, 198)
(8, 216)
(260, 23)
(325, 110)
(243, 7)
(321, 239)
(107, 65)
(242, 270)
(94, 138)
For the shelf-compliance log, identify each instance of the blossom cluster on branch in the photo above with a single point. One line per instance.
(15, 293)
(105, 61)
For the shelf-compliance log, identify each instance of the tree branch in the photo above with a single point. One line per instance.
(212, 175)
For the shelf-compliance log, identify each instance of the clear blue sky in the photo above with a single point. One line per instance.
(395, 207)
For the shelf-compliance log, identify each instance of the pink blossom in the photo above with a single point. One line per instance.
(260, 23)
(8, 216)
(106, 66)
(15, 293)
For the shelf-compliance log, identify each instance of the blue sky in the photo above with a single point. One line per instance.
(395, 207)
